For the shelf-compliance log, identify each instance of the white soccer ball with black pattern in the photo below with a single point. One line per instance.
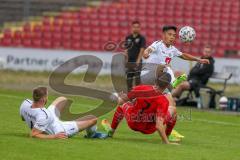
(187, 34)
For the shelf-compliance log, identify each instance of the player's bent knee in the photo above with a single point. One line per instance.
(59, 100)
(62, 99)
(94, 121)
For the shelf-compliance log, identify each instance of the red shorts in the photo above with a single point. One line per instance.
(145, 125)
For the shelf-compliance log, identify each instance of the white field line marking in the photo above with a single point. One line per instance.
(216, 122)
(19, 97)
(193, 119)
(10, 96)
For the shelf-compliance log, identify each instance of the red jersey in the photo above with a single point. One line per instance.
(148, 104)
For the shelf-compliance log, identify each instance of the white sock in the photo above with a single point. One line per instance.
(91, 130)
(199, 103)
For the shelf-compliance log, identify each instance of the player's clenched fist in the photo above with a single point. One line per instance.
(147, 53)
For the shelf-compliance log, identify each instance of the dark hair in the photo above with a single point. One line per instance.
(39, 93)
(135, 22)
(166, 28)
(163, 79)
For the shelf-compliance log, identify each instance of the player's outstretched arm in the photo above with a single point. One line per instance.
(189, 57)
(161, 130)
(35, 133)
(147, 52)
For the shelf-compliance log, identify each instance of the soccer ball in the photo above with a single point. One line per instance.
(187, 34)
(223, 103)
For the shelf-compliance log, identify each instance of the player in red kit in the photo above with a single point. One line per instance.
(146, 110)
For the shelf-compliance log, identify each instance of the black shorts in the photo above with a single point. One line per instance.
(194, 83)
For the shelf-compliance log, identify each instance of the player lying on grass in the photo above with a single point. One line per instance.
(45, 123)
(162, 52)
(146, 110)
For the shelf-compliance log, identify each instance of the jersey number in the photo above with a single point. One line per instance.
(148, 105)
(168, 60)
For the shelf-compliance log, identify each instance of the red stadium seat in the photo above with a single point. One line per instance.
(17, 38)
(47, 43)
(86, 30)
(16, 42)
(37, 43)
(104, 38)
(56, 44)
(46, 21)
(115, 32)
(6, 41)
(93, 16)
(85, 45)
(45, 29)
(76, 37)
(103, 16)
(95, 46)
(95, 30)
(66, 28)
(95, 23)
(104, 23)
(47, 35)
(66, 36)
(37, 35)
(216, 22)
(27, 42)
(95, 38)
(67, 44)
(76, 45)
(86, 37)
(7, 33)
(37, 28)
(27, 27)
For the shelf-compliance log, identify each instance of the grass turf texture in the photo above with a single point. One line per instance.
(209, 136)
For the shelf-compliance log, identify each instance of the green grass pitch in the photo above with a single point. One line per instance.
(208, 136)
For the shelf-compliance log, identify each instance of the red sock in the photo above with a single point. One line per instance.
(170, 123)
(118, 116)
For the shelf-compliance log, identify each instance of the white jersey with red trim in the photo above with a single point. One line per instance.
(161, 54)
(40, 118)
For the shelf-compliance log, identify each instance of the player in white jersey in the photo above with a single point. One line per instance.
(45, 123)
(160, 53)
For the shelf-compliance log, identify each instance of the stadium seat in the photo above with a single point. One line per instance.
(85, 45)
(5, 41)
(27, 42)
(57, 44)
(36, 43)
(66, 28)
(17, 38)
(7, 33)
(47, 43)
(67, 44)
(76, 45)
(111, 21)
(27, 27)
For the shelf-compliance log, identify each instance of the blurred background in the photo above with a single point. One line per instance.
(36, 36)
(88, 25)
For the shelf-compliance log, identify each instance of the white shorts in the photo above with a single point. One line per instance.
(70, 127)
(149, 75)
